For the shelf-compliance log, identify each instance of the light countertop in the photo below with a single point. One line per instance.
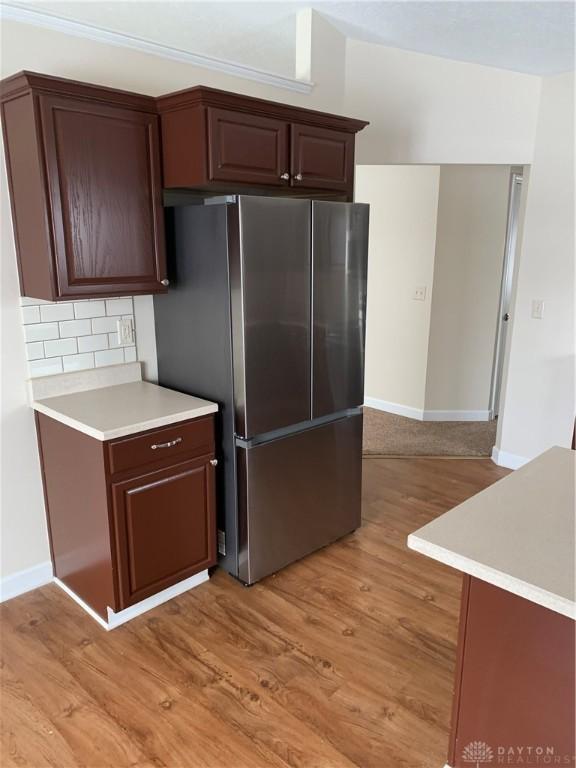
(113, 402)
(518, 534)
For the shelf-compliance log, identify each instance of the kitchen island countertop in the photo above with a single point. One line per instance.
(518, 534)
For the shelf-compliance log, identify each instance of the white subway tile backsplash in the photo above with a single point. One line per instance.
(104, 324)
(75, 335)
(75, 328)
(130, 354)
(41, 331)
(53, 312)
(89, 309)
(113, 340)
(45, 367)
(78, 362)
(30, 315)
(93, 343)
(109, 357)
(119, 307)
(60, 347)
(35, 350)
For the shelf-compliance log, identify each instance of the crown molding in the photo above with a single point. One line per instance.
(48, 21)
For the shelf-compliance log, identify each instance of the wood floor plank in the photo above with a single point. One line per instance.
(343, 660)
(148, 701)
(28, 738)
(72, 712)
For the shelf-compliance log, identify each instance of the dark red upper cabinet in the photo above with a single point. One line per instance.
(247, 148)
(84, 173)
(220, 141)
(322, 158)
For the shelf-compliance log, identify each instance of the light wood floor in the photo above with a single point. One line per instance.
(344, 659)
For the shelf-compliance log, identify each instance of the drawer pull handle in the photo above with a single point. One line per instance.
(169, 444)
(214, 462)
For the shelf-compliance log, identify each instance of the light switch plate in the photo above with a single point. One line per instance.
(419, 293)
(537, 309)
(125, 329)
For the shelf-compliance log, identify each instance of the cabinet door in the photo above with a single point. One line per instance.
(322, 158)
(246, 148)
(165, 528)
(103, 166)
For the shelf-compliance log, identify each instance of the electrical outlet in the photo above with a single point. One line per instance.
(125, 330)
(419, 293)
(537, 309)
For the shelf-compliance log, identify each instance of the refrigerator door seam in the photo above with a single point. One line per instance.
(295, 429)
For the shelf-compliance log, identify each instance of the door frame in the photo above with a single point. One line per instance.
(506, 287)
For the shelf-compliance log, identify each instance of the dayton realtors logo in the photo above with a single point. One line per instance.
(477, 752)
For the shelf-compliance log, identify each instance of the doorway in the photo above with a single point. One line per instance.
(440, 275)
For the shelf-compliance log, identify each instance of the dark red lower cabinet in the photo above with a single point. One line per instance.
(130, 517)
(165, 524)
(514, 698)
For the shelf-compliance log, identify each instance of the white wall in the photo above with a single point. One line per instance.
(442, 228)
(24, 538)
(424, 109)
(538, 404)
(470, 240)
(404, 203)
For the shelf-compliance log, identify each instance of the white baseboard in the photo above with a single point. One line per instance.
(508, 460)
(121, 617)
(426, 415)
(397, 408)
(457, 416)
(23, 581)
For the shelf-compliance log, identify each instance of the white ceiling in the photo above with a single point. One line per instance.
(521, 35)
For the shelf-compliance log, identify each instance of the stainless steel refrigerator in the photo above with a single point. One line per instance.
(266, 315)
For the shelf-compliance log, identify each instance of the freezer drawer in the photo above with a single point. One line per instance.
(339, 270)
(297, 494)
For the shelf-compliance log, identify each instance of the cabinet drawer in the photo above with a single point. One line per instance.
(189, 438)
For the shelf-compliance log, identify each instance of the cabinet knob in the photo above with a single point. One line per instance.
(214, 462)
(165, 282)
(285, 176)
(298, 177)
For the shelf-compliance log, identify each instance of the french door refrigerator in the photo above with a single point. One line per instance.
(266, 315)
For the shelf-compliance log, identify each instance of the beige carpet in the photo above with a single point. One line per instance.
(386, 434)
